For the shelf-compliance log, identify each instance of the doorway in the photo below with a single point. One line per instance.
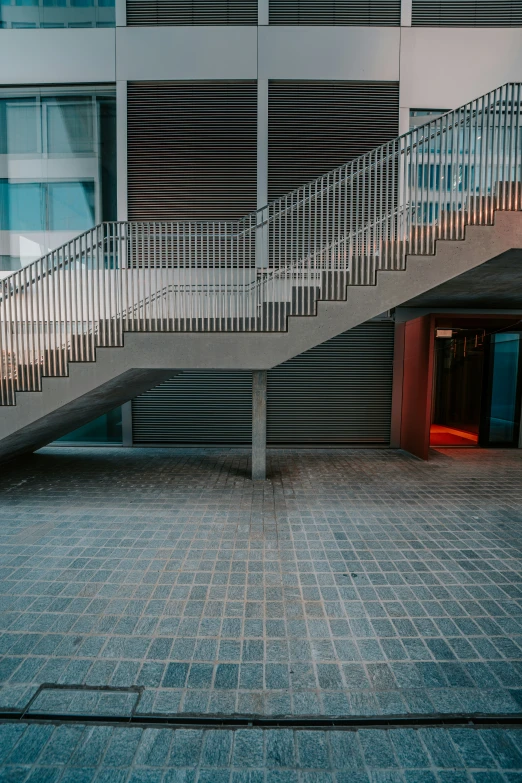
(477, 388)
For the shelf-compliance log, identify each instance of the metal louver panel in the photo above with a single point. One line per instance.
(143, 13)
(337, 394)
(192, 151)
(198, 407)
(467, 13)
(382, 13)
(314, 126)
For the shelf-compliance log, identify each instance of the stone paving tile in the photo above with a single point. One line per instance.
(352, 583)
(132, 754)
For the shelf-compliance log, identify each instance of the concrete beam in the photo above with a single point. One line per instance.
(259, 388)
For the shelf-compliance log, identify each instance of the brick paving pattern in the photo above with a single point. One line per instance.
(353, 582)
(107, 754)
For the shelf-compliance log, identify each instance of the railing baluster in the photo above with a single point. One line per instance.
(250, 274)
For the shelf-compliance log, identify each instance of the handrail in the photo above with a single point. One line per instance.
(250, 274)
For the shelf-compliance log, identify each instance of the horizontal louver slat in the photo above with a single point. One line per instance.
(144, 13)
(315, 126)
(192, 151)
(338, 393)
(197, 407)
(380, 13)
(467, 13)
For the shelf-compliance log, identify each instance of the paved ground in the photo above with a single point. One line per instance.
(103, 754)
(353, 583)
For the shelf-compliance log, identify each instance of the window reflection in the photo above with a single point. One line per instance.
(20, 14)
(71, 206)
(504, 410)
(21, 127)
(57, 168)
(70, 127)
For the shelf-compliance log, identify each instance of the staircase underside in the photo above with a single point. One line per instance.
(119, 374)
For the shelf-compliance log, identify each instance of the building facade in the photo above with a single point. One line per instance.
(165, 110)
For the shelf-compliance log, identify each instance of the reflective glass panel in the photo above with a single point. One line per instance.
(71, 206)
(22, 206)
(20, 14)
(504, 413)
(105, 429)
(21, 127)
(57, 167)
(70, 127)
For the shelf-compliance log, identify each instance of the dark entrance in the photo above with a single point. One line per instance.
(477, 387)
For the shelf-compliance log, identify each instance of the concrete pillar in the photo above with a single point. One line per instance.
(259, 386)
(520, 431)
(126, 424)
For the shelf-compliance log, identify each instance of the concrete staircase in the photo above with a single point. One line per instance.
(126, 305)
(147, 358)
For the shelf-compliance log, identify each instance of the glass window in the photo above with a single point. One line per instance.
(58, 148)
(19, 14)
(71, 206)
(105, 429)
(22, 206)
(504, 411)
(21, 127)
(70, 127)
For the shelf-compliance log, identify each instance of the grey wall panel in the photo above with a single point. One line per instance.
(339, 393)
(467, 13)
(57, 56)
(314, 126)
(472, 53)
(192, 151)
(191, 12)
(196, 52)
(329, 52)
(336, 12)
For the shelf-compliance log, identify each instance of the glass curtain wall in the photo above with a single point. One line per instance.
(57, 168)
(18, 14)
(105, 429)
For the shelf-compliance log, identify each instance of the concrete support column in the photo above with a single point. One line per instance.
(126, 424)
(520, 432)
(259, 387)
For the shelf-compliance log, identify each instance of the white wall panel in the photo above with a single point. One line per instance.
(163, 53)
(406, 13)
(57, 56)
(446, 67)
(356, 53)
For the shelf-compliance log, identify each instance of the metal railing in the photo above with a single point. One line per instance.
(252, 274)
